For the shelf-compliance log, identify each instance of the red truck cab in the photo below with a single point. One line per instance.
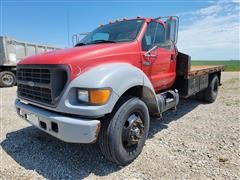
(142, 37)
(106, 88)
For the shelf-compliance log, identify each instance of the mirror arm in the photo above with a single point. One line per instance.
(148, 53)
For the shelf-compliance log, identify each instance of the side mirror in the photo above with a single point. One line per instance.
(172, 28)
(77, 37)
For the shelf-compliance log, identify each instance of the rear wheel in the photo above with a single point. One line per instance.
(122, 138)
(200, 95)
(7, 79)
(211, 92)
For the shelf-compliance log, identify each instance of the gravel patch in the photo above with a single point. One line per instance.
(198, 141)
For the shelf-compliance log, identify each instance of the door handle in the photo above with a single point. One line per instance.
(172, 57)
(147, 63)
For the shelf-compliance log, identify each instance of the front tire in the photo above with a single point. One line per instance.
(122, 138)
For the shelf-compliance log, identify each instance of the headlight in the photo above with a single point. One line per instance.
(94, 96)
(83, 95)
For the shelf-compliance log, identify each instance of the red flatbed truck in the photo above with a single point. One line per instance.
(107, 87)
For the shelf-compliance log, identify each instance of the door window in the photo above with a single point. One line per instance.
(155, 34)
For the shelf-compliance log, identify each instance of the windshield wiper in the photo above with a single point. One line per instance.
(80, 44)
(94, 42)
(102, 41)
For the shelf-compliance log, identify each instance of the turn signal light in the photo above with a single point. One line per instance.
(99, 96)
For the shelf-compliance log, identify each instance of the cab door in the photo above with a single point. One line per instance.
(157, 64)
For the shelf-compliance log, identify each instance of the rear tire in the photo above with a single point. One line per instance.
(122, 138)
(7, 79)
(200, 95)
(211, 92)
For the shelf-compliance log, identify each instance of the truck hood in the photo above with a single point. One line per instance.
(81, 59)
(84, 54)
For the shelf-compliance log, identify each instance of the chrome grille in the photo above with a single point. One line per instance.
(34, 75)
(36, 93)
(41, 83)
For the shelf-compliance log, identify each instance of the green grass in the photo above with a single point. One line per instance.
(231, 65)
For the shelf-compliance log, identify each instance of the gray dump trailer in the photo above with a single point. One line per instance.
(12, 51)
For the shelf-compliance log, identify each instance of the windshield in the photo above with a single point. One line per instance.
(123, 31)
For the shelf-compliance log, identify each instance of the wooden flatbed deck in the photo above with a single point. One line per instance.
(203, 70)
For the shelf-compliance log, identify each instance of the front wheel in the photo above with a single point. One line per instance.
(122, 138)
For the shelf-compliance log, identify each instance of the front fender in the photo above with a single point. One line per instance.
(118, 76)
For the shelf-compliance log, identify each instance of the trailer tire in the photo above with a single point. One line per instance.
(210, 94)
(122, 138)
(7, 79)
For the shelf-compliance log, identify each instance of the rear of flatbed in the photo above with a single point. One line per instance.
(194, 79)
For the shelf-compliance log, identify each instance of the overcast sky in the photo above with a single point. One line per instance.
(209, 30)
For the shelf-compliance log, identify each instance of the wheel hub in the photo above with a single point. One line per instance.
(133, 130)
(7, 79)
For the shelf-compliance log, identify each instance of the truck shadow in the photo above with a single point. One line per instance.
(54, 159)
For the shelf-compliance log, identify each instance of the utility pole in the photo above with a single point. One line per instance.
(68, 27)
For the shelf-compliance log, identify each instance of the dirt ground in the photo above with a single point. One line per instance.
(198, 141)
